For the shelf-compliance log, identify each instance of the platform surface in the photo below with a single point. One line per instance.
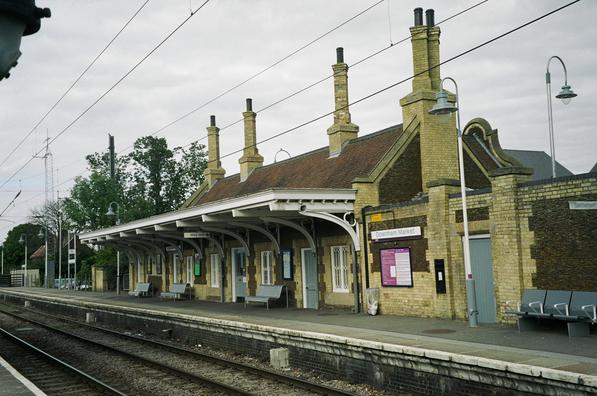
(545, 349)
(13, 384)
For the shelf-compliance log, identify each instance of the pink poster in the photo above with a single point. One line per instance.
(396, 267)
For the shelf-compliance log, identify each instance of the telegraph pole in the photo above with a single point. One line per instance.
(113, 177)
(49, 196)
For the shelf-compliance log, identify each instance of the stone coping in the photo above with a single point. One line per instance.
(343, 341)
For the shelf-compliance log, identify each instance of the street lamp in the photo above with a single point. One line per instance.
(2, 247)
(23, 240)
(17, 18)
(443, 106)
(566, 95)
(43, 235)
(110, 213)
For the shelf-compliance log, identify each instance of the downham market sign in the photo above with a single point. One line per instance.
(406, 232)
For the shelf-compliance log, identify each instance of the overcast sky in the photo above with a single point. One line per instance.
(231, 40)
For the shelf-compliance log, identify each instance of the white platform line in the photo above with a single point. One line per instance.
(28, 384)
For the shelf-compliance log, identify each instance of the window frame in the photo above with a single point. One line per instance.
(158, 264)
(189, 268)
(269, 267)
(214, 270)
(340, 281)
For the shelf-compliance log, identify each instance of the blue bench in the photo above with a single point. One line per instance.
(267, 293)
(141, 290)
(577, 308)
(178, 291)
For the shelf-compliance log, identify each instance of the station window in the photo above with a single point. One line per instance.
(215, 270)
(177, 269)
(339, 268)
(149, 261)
(267, 270)
(189, 270)
(158, 264)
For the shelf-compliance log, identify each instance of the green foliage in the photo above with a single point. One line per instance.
(14, 252)
(152, 179)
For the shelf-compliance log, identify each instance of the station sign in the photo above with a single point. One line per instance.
(406, 232)
(191, 235)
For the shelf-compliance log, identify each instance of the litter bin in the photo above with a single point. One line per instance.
(372, 300)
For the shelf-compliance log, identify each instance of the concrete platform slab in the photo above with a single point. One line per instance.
(500, 347)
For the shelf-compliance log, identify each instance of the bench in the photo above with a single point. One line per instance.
(141, 290)
(577, 308)
(177, 291)
(267, 293)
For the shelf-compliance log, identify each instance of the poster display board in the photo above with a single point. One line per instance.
(287, 264)
(396, 268)
(197, 265)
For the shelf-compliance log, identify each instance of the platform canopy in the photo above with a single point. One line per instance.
(232, 217)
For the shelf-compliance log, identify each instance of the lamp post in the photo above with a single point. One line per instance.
(442, 106)
(23, 240)
(566, 95)
(111, 213)
(2, 247)
(43, 234)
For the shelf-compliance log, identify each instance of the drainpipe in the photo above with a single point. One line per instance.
(365, 245)
(355, 266)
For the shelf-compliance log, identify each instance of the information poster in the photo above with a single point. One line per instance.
(287, 264)
(197, 269)
(396, 267)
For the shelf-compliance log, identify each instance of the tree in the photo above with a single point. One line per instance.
(152, 179)
(14, 252)
(164, 178)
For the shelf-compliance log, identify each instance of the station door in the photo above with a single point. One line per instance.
(482, 268)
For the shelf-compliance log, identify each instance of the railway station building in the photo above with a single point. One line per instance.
(376, 210)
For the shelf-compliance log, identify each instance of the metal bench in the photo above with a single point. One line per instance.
(267, 293)
(177, 291)
(578, 309)
(141, 290)
(580, 314)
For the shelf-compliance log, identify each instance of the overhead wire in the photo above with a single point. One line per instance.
(393, 85)
(103, 95)
(329, 76)
(252, 77)
(72, 85)
(366, 58)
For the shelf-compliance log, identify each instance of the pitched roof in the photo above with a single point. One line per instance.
(540, 162)
(39, 253)
(594, 168)
(314, 169)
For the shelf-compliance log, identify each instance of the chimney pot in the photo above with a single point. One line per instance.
(339, 55)
(430, 17)
(418, 16)
(249, 104)
(212, 120)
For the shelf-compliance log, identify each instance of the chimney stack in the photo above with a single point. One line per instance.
(342, 130)
(214, 170)
(251, 158)
(438, 147)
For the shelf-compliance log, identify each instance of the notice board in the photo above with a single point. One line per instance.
(396, 268)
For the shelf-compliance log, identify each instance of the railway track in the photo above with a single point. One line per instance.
(50, 374)
(182, 362)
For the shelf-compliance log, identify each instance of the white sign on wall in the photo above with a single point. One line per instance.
(582, 205)
(191, 235)
(396, 233)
